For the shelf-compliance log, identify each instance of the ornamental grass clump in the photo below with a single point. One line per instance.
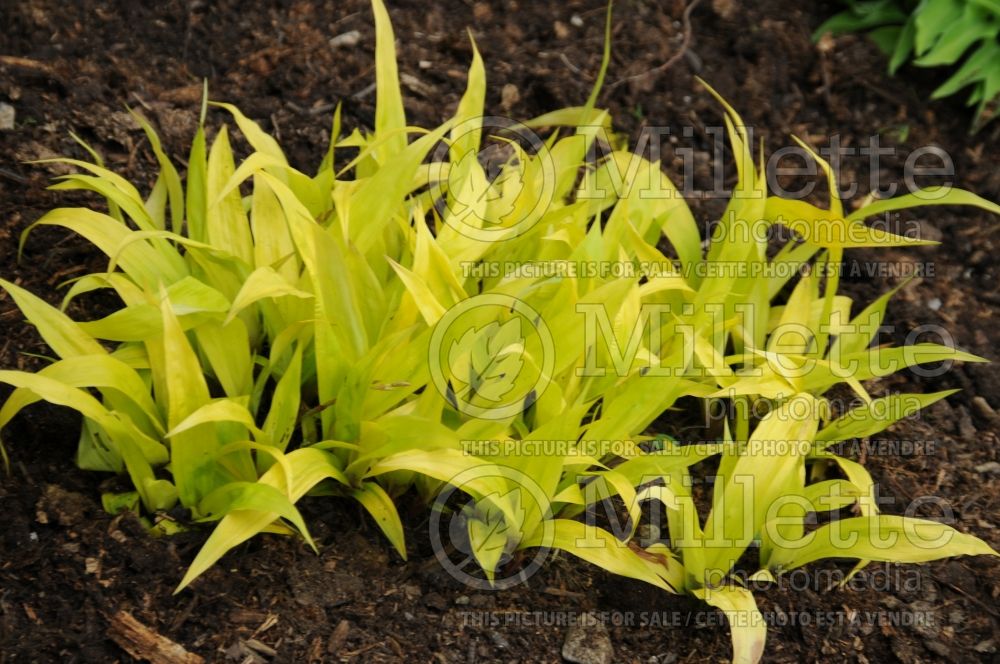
(345, 333)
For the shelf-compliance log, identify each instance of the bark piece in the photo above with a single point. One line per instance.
(143, 643)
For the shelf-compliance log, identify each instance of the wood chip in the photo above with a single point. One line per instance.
(143, 643)
(26, 63)
(261, 647)
(338, 638)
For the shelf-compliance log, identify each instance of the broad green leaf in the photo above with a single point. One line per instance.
(599, 547)
(138, 451)
(259, 139)
(168, 174)
(378, 503)
(149, 262)
(310, 466)
(390, 119)
(264, 282)
(196, 200)
(104, 372)
(746, 624)
(227, 348)
(252, 496)
(284, 411)
(219, 410)
(872, 418)
(927, 196)
(886, 538)
(467, 131)
(59, 331)
(227, 227)
(193, 451)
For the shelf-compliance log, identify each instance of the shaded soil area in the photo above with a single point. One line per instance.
(67, 568)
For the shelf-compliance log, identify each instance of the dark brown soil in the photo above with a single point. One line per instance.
(66, 567)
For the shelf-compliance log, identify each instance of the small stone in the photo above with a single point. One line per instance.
(938, 648)
(6, 116)
(725, 8)
(436, 602)
(934, 304)
(965, 427)
(499, 640)
(929, 593)
(928, 231)
(987, 646)
(414, 84)
(346, 39)
(481, 11)
(576, 21)
(424, 64)
(890, 602)
(239, 651)
(588, 642)
(945, 416)
(983, 408)
(903, 651)
(462, 600)
(67, 508)
(988, 467)
(509, 95)
(925, 622)
(327, 588)
(481, 601)
(561, 30)
(338, 637)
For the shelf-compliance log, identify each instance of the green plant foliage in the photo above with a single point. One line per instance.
(284, 334)
(959, 34)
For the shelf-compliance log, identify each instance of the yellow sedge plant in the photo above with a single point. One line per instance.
(323, 334)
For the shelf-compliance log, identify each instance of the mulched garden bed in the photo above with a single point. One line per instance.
(68, 571)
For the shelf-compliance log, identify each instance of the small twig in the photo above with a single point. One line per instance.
(316, 410)
(978, 601)
(882, 93)
(10, 175)
(363, 92)
(559, 592)
(276, 126)
(573, 68)
(685, 42)
(142, 102)
(26, 63)
(145, 644)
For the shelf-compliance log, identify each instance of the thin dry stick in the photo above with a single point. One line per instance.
(25, 63)
(144, 643)
(685, 42)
